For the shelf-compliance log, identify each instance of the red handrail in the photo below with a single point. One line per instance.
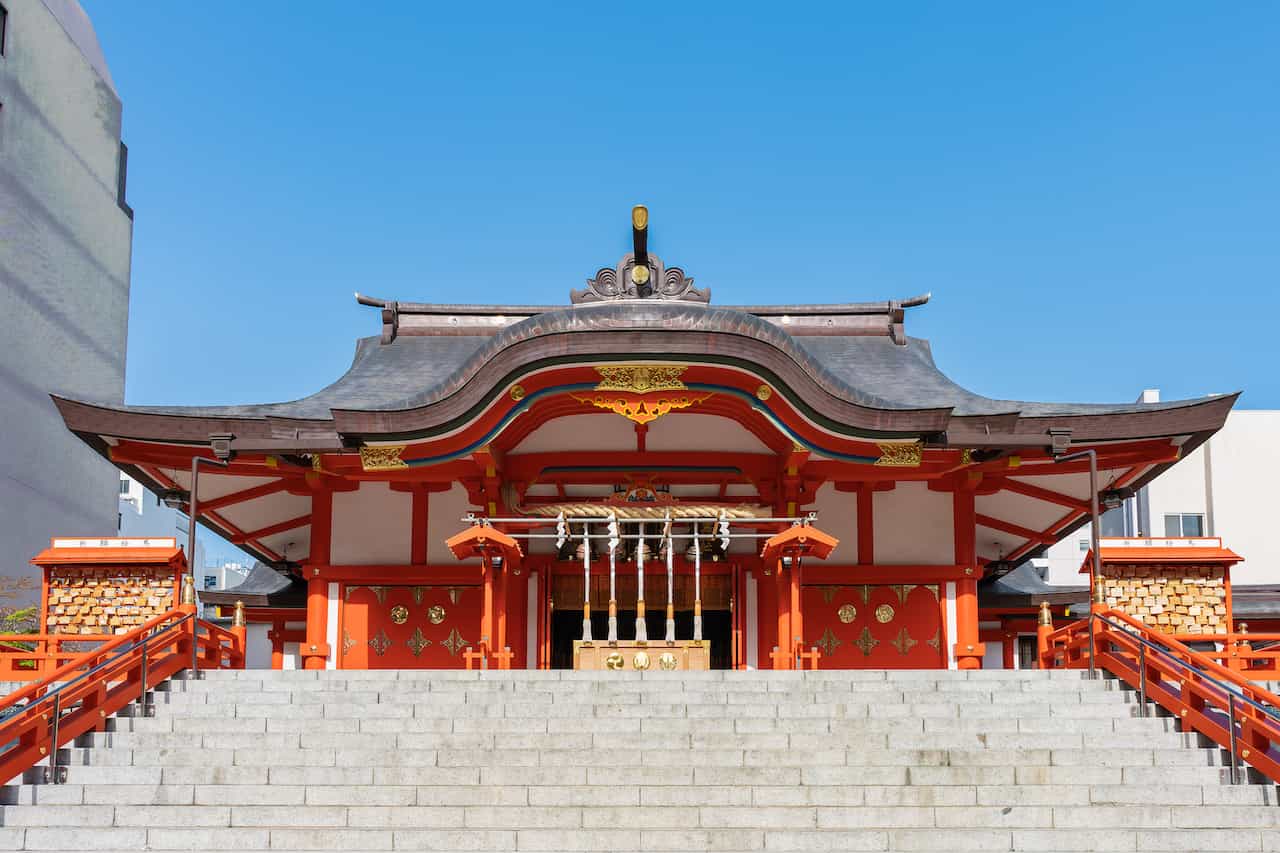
(1206, 696)
(77, 697)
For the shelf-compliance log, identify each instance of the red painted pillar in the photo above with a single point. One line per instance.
(797, 616)
(421, 502)
(315, 650)
(784, 618)
(486, 612)
(500, 605)
(276, 635)
(866, 525)
(968, 650)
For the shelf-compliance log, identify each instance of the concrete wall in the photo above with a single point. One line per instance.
(64, 281)
(1245, 460)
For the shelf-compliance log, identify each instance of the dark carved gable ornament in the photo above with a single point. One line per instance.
(640, 275)
(664, 283)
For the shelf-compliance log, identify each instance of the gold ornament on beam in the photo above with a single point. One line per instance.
(386, 458)
(641, 378)
(642, 409)
(900, 455)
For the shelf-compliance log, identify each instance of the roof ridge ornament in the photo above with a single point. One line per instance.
(640, 275)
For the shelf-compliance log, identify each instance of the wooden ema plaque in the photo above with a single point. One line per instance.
(629, 655)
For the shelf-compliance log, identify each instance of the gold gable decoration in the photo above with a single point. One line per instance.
(641, 378)
(386, 458)
(641, 392)
(901, 455)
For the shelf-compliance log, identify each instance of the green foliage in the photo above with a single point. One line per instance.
(21, 620)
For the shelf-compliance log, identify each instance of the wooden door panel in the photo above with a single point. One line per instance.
(874, 626)
(408, 627)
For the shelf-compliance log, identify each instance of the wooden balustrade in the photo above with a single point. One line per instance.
(79, 695)
(1216, 700)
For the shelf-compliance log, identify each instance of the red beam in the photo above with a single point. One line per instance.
(244, 495)
(300, 521)
(1043, 494)
(1014, 529)
(230, 530)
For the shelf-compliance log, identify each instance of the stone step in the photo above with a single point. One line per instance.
(1089, 816)
(860, 736)
(915, 760)
(992, 753)
(635, 795)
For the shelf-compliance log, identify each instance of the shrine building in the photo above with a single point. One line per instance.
(640, 478)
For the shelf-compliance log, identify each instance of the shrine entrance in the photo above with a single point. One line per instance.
(407, 627)
(875, 626)
(717, 614)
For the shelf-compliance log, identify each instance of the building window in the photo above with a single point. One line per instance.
(124, 487)
(1183, 524)
(1084, 544)
(210, 581)
(122, 179)
(4, 27)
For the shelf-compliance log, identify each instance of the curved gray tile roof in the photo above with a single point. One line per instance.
(870, 370)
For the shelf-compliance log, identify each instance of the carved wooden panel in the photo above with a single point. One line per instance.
(408, 627)
(874, 626)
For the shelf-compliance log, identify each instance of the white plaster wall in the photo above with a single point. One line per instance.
(838, 515)
(690, 431)
(372, 526)
(257, 647)
(1246, 468)
(914, 526)
(599, 430)
(444, 519)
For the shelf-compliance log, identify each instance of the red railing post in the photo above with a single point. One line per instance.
(1044, 627)
(241, 632)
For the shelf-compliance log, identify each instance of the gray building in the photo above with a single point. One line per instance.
(65, 240)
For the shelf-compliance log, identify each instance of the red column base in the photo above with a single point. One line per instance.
(969, 656)
(315, 655)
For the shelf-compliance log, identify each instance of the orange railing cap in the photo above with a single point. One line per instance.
(108, 550)
(805, 540)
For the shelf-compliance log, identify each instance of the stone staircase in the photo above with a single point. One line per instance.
(554, 761)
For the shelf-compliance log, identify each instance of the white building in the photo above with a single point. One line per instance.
(1223, 488)
(143, 514)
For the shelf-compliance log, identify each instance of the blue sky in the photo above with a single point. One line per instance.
(1089, 191)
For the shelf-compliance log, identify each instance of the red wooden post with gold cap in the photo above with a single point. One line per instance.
(497, 552)
(968, 650)
(315, 651)
(788, 548)
(240, 631)
(1044, 627)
